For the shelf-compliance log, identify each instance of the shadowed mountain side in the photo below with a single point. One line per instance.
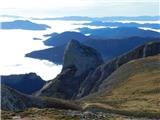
(120, 24)
(112, 48)
(108, 48)
(25, 83)
(132, 90)
(64, 38)
(101, 33)
(116, 18)
(12, 100)
(24, 25)
(118, 33)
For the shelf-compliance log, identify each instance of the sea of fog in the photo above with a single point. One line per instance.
(14, 44)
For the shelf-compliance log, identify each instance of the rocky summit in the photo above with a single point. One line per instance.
(79, 61)
(82, 57)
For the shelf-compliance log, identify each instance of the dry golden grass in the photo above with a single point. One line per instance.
(137, 93)
(55, 114)
(39, 114)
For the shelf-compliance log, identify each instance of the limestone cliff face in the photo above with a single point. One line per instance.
(79, 61)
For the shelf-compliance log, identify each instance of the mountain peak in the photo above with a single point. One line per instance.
(81, 56)
(73, 43)
(79, 61)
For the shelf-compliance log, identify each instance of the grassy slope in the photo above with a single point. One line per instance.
(38, 114)
(138, 91)
(137, 94)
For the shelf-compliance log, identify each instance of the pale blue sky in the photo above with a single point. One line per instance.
(92, 8)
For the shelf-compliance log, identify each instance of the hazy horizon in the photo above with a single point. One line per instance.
(90, 8)
(14, 15)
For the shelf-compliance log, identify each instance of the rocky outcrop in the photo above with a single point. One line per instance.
(79, 61)
(25, 83)
(84, 58)
(13, 100)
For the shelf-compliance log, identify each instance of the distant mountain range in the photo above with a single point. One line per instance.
(118, 33)
(109, 48)
(63, 38)
(11, 16)
(84, 18)
(24, 25)
(99, 33)
(116, 18)
(120, 24)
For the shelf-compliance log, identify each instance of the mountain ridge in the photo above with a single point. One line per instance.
(93, 79)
